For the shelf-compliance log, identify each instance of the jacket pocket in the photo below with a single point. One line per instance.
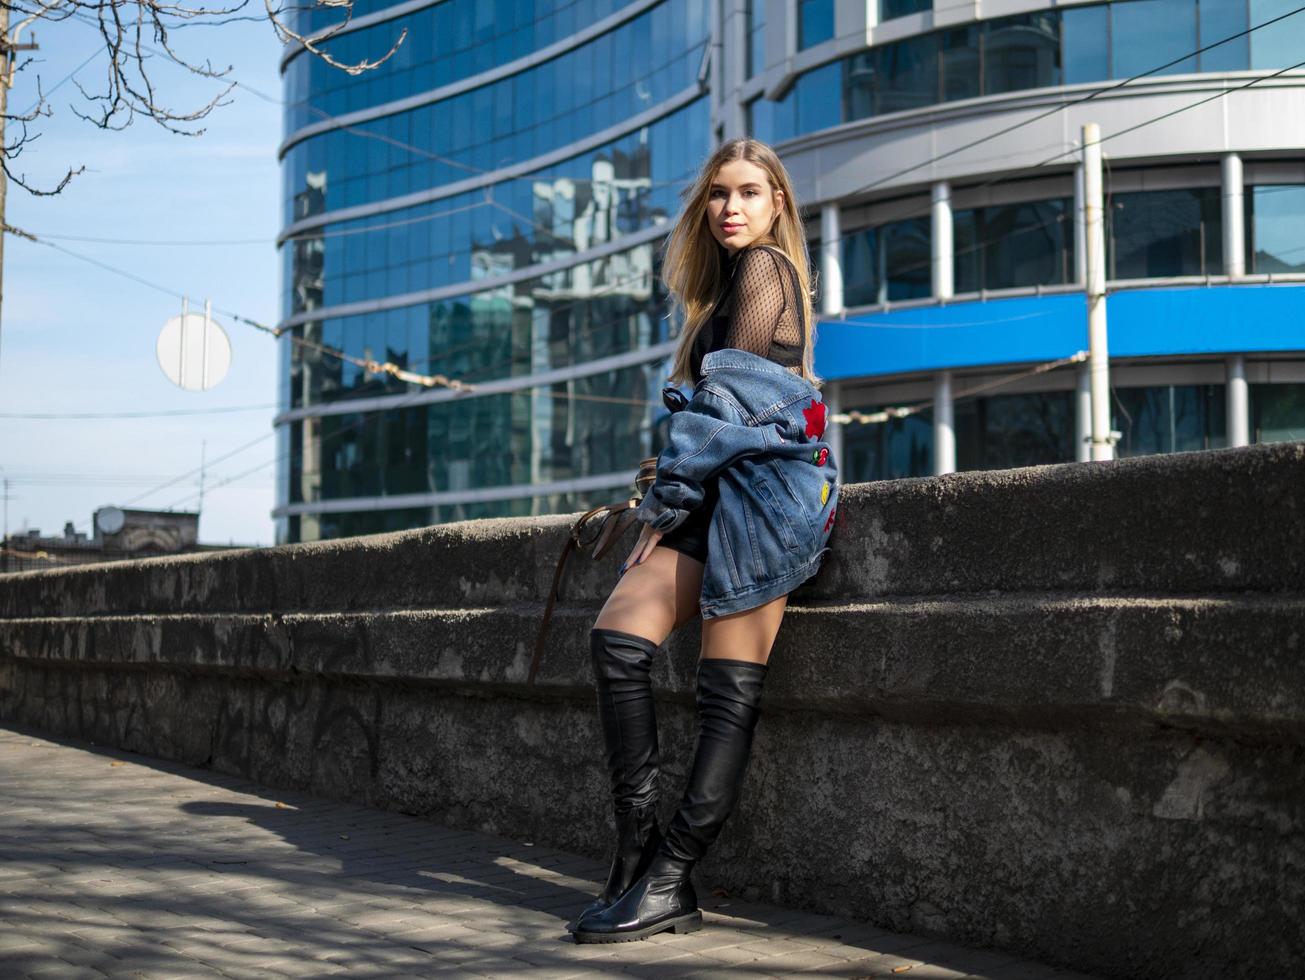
(778, 515)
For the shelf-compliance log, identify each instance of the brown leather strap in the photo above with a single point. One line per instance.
(572, 542)
(616, 519)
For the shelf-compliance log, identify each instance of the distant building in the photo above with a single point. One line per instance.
(119, 535)
(489, 205)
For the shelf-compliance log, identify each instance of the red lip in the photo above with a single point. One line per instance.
(732, 227)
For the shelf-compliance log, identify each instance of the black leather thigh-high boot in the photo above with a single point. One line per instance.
(622, 663)
(729, 699)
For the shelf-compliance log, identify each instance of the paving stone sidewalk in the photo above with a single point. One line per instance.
(113, 864)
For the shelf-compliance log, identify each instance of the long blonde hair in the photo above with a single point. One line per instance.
(693, 268)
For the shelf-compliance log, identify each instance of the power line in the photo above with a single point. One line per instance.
(166, 413)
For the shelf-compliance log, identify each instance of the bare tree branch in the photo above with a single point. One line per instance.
(138, 41)
(12, 146)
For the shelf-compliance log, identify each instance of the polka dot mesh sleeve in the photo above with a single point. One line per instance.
(763, 304)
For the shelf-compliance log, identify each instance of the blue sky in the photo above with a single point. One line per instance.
(80, 339)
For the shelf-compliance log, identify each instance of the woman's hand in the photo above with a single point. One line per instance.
(648, 539)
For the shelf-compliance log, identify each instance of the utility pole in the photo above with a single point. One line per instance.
(203, 452)
(8, 46)
(4, 553)
(1103, 441)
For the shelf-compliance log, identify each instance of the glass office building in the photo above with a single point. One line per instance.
(488, 205)
(937, 151)
(485, 206)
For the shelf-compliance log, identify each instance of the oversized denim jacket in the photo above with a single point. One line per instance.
(759, 428)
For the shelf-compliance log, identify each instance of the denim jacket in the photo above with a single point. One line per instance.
(759, 428)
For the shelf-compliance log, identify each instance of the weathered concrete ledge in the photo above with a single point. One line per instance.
(1059, 710)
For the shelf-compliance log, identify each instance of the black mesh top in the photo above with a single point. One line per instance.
(759, 311)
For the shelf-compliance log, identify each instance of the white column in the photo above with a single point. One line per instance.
(735, 36)
(1080, 228)
(1099, 363)
(942, 241)
(1082, 414)
(1239, 402)
(833, 396)
(1234, 217)
(831, 261)
(944, 425)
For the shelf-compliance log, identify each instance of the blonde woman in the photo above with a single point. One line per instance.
(740, 515)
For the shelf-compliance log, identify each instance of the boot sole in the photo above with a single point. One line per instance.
(680, 924)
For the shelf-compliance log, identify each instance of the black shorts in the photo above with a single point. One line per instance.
(690, 538)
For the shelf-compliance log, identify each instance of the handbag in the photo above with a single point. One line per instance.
(600, 528)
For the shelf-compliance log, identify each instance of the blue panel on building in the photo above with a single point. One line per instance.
(1141, 323)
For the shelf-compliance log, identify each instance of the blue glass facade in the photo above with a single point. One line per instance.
(547, 274)
(1047, 48)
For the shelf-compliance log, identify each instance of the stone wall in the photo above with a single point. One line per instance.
(1057, 710)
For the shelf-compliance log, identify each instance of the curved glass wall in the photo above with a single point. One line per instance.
(446, 42)
(563, 319)
(1030, 429)
(605, 82)
(1035, 50)
(616, 189)
(1149, 235)
(518, 438)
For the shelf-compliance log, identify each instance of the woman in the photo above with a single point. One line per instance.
(740, 515)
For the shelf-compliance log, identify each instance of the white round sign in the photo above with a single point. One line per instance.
(194, 352)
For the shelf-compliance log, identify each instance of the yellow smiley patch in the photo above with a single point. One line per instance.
(824, 494)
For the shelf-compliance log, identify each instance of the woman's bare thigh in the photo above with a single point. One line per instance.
(747, 635)
(652, 599)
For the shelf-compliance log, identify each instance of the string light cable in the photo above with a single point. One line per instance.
(889, 414)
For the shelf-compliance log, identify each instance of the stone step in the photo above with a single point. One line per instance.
(1215, 663)
(1211, 522)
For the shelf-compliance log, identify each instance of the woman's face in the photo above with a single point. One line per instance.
(741, 205)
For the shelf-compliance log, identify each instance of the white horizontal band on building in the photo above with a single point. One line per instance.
(602, 481)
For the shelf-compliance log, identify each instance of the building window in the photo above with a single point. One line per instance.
(889, 263)
(1165, 233)
(756, 28)
(1169, 419)
(1275, 228)
(889, 450)
(815, 22)
(1278, 45)
(1162, 30)
(888, 9)
(1021, 53)
(1012, 245)
(1003, 431)
(1277, 412)
(1078, 45)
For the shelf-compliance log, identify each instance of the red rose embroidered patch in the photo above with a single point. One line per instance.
(815, 416)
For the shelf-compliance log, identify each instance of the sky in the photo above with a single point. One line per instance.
(79, 339)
